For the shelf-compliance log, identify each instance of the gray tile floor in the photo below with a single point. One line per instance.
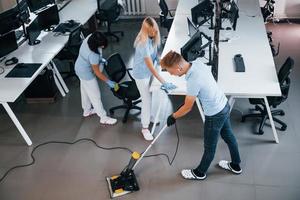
(63, 172)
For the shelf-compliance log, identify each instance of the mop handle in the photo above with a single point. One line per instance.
(161, 131)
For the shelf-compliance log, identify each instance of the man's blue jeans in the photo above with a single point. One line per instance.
(218, 124)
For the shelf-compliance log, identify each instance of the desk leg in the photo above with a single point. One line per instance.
(61, 80)
(271, 120)
(17, 123)
(157, 113)
(200, 109)
(231, 102)
(62, 92)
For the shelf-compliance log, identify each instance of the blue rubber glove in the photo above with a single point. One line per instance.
(168, 86)
(111, 84)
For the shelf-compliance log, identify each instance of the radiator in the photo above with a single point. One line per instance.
(135, 7)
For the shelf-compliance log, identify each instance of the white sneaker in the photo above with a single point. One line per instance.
(189, 174)
(224, 164)
(108, 120)
(87, 113)
(147, 135)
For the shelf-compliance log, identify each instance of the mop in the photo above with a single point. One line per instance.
(126, 182)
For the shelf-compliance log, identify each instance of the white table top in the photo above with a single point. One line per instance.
(250, 40)
(12, 88)
(78, 10)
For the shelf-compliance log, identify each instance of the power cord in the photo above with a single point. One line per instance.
(98, 146)
(165, 155)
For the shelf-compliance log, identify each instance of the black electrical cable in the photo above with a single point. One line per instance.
(59, 142)
(165, 155)
(90, 140)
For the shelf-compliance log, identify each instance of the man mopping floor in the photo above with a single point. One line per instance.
(201, 84)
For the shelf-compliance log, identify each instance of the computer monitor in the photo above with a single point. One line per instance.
(193, 48)
(8, 43)
(48, 17)
(233, 14)
(33, 32)
(192, 29)
(9, 18)
(35, 5)
(202, 12)
(23, 11)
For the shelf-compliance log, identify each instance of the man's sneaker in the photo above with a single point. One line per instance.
(147, 135)
(108, 120)
(190, 175)
(88, 113)
(224, 164)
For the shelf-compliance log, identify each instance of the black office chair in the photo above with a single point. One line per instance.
(284, 82)
(128, 92)
(71, 50)
(109, 11)
(165, 16)
(268, 9)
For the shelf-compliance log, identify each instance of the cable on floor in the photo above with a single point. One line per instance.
(98, 146)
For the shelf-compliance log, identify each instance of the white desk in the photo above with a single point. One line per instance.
(12, 88)
(249, 39)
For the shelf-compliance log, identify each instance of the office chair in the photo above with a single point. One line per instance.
(165, 16)
(109, 11)
(268, 10)
(284, 82)
(128, 91)
(71, 50)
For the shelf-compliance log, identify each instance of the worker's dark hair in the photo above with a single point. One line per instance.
(96, 40)
(171, 58)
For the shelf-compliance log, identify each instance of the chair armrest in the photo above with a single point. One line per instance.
(128, 69)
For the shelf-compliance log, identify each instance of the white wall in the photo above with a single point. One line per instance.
(152, 8)
(287, 9)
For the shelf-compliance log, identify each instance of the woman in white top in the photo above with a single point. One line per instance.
(146, 44)
(87, 68)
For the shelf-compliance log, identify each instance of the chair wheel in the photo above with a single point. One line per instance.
(283, 128)
(282, 113)
(260, 132)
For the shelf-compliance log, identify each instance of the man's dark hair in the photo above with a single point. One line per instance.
(96, 40)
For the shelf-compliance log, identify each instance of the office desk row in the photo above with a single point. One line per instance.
(250, 39)
(11, 88)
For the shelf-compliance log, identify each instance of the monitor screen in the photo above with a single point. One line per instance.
(33, 31)
(23, 10)
(202, 12)
(35, 5)
(192, 29)
(192, 49)
(8, 43)
(48, 17)
(9, 20)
